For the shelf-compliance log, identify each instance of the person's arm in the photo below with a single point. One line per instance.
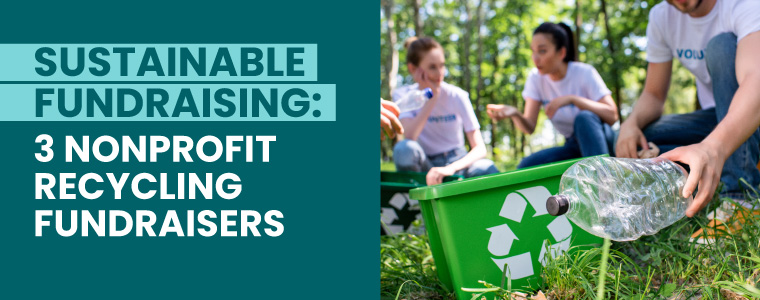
(526, 122)
(706, 159)
(647, 109)
(605, 108)
(413, 126)
(389, 123)
(477, 151)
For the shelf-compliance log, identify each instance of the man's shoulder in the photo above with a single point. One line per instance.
(741, 7)
(662, 12)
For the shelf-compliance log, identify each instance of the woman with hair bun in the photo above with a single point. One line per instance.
(434, 142)
(573, 95)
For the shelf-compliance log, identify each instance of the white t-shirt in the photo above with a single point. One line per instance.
(449, 119)
(671, 33)
(580, 80)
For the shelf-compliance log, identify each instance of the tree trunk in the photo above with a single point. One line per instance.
(514, 139)
(517, 98)
(615, 71)
(495, 58)
(417, 21)
(479, 63)
(391, 66)
(392, 61)
(466, 77)
(578, 25)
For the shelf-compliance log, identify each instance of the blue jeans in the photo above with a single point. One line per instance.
(409, 156)
(591, 137)
(673, 131)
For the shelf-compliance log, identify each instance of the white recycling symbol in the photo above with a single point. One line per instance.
(388, 214)
(502, 237)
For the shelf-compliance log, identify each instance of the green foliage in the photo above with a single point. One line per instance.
(506, 31)
(408, 270)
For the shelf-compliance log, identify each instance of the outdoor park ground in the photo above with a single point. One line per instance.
(663, 266)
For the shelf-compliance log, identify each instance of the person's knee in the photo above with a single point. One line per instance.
(482, 167)
(720, 53)
(585, 118)
(528, 161)
(721, 42)
(491, 169)
(406, 154)
(587, 115)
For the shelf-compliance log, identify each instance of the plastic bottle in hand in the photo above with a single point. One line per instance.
(414, 99)
(620, 198)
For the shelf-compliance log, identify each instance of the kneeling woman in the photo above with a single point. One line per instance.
(434, 141)
(573, 95)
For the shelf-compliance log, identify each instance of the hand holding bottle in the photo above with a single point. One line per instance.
(620, 198)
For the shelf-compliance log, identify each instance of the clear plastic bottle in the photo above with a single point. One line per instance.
(414, 99)
(620, 198)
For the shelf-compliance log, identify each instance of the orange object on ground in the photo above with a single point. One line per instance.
(726, 219)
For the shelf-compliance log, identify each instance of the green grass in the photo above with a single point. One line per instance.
(503, 166)
(387, 166)
(407, 269)
(663, 266)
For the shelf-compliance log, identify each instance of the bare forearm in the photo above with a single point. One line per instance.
(522, 123)
(606, 112)
(413, 126)
(648, 109)
(474, 155)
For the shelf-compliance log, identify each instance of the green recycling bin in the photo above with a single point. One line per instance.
(480, 226)
(397, 211)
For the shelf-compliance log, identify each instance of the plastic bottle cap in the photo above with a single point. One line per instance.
(557, 205)
(428, 93)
